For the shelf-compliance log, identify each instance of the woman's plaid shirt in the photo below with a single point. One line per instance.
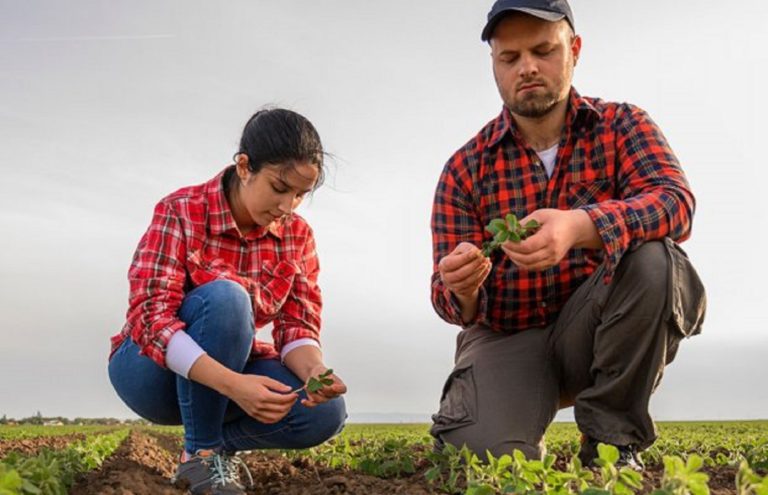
(192, 240)
(613, 162)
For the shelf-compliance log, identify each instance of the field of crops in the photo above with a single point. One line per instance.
(696, 458)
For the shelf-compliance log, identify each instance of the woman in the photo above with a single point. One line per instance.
(218, 261)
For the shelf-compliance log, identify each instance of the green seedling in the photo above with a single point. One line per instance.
(508, 229)
(316, 383)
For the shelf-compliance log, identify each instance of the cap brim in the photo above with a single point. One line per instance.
(541, 14)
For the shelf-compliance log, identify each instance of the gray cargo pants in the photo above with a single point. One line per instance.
(605, 355)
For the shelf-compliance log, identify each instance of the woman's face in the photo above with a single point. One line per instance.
(272, 193)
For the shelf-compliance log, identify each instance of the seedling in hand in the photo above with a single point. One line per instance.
(316, 383)
(508, 229)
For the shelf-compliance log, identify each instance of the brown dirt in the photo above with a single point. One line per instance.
(32, 446)
(722, 480)
(146, 460)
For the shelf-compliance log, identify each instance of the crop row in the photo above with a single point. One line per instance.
(17, 432)
(52, 472)
(683, 449)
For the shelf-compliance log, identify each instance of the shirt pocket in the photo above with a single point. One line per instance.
(458, 404)
(589, 192)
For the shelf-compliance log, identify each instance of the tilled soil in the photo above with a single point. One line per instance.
(32, 446)
(143, 464)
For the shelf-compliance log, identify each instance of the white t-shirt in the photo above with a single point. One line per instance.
(548, 157)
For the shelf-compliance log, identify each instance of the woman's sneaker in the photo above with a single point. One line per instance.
(209, 472)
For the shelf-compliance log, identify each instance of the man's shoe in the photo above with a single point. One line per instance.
(628, 455)
(211, 473)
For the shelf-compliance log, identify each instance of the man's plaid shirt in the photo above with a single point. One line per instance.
(613, 162)
(192, 240)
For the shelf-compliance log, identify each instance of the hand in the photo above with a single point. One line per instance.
(464, 270)
(262, 398)
(326, 393)
(560, 230)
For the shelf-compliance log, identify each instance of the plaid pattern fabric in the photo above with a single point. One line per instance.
(613, 162)
(192, 240)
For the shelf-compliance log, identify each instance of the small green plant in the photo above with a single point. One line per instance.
(316, 383)
(508, 229)
(750, 483)
(622, 481)
(683, 477)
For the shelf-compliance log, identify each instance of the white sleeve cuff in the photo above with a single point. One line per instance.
(182, 352)
(296, 344)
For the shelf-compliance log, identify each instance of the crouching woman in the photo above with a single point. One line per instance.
(218, 261)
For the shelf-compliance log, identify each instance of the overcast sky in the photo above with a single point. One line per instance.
(107, 106)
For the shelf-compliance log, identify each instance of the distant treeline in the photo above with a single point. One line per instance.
(39, 419)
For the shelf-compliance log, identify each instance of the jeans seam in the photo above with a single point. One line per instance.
(203, 324)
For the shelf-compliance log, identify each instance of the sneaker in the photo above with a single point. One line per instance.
(628, 455)
(211, 473)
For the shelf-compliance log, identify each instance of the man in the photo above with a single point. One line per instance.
(587, 310)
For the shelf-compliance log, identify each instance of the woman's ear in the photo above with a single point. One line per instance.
(241, 163)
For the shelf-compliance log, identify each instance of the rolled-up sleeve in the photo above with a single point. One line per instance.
(156, 277)
(654, 198)
(300, 315)
(453, 221)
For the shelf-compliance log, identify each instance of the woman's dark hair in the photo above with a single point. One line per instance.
(276, 136)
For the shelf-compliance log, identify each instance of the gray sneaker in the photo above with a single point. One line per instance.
(211, 473)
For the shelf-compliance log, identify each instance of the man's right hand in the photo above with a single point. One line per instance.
(464, 270)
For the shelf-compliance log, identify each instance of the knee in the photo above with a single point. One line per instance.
(225, 296)
(646, 268)
(223, 302)
(323, 422)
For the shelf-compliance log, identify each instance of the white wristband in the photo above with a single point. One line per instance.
(182, 352)
(296, 344)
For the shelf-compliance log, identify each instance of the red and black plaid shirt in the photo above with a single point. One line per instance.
(192, 240)
(613, 162)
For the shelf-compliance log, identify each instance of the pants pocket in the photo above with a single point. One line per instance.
(458, 404)
(687, 298)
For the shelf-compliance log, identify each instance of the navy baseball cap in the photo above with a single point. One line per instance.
(549, 10)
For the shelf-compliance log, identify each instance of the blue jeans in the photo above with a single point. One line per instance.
(219, 317)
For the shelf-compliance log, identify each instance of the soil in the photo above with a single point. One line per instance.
(143, 464)
(32, 446)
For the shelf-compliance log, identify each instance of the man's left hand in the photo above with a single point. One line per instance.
(560, 231)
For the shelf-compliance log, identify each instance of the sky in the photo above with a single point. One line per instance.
(107, 106)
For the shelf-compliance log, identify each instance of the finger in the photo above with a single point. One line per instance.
(475, 281)
(536, 242)
(339, 388)
(455, 261)
(313, 400)
(530, 261)
(463, 273)
(273, 384)
(275, 398)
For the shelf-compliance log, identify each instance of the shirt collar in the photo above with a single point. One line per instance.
(578, 108)
(220, 218)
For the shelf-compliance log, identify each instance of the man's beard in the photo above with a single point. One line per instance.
(534, 106)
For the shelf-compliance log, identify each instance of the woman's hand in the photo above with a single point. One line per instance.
(326, 393)
(262, 398)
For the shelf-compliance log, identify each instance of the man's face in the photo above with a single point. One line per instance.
(533, 62)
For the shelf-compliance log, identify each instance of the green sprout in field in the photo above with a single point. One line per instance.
(316, 383)
(508, 229)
